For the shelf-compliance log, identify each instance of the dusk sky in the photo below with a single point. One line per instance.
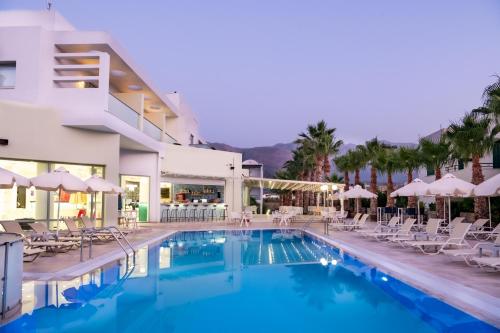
(257, 72)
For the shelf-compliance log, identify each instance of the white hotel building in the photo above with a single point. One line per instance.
(75, 99)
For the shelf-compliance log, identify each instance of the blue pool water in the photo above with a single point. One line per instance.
(252, 281)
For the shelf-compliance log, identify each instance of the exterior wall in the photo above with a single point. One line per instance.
(137, 163)
(35, 133)
(182, 127)
(183, 160)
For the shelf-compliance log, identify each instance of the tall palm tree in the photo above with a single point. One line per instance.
(491, 106)
(323, 143)
(411, 160)
(373, 149)
(390, 163)
(435, 155)
(359, 159)
(471, 138)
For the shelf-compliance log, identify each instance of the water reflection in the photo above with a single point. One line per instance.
(190, 269)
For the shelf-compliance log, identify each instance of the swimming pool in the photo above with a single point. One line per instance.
(241, 281)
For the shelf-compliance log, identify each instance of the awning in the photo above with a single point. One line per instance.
(290, 185)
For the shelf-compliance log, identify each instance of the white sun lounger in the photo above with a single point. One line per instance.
(351, 226)
(403, 231)
(456, 239)
(487, 262)
(487, 234)
(476, 250)
(452, 224)
(430, 233)
(391, 226)
(478, 225)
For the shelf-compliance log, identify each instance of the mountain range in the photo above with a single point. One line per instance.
(273, 157)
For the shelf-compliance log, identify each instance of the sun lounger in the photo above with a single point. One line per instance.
(43, 233)
(476, 251)
(30, 254)
(456, 239)
(453, 223)
(487, 262)
(391, 226)
(89, 224)
(487, 234)
(478, 225)
(351, 225)
(430, 233)
(401, 232)
(49, 245)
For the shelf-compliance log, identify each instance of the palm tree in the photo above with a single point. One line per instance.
(343, 164)
(373, 148)
(471, 138)
(411, 160)
(390, 163)
(359, 159)
(323, 143)
(435, 155)
(491, 106)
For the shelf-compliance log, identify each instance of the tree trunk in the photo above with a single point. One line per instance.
(390, 189)
(346, 188)
(439, 200)
(480, 203)
(357, 178)
(412, 201)
(327, 167)
(373, 189)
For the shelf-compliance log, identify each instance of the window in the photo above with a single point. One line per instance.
(7, 74)
(496, 155)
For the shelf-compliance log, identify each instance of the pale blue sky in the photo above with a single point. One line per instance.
(257, 72)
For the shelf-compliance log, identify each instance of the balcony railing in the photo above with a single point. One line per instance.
(152, 130)
(123, 111)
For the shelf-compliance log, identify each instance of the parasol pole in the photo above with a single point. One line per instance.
(58, 211)
(449, 209)
(489, 209)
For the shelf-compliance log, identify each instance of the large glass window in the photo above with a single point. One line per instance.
(77, 204)
(185, 193)
(136, 196)
(20, 203)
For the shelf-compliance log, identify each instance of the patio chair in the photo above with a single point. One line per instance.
(348, 224)
(456, 239)
(476, 251)
(43, 233)
(30, 254)
(487, 234)
(478, 225)
(452, 224)
(404, 230)
(392, 225)
(90, 225)
(487, 262)
(48, 245)
(430, 233)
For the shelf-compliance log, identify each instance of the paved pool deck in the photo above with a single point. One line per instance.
(470, 289)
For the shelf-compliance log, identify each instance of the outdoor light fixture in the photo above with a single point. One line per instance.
(334, 262)
(323, 261)
(324, 188)
(335, 187)
(135, 87)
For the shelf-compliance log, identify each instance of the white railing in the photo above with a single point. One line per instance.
(152, 130)
(123, 111)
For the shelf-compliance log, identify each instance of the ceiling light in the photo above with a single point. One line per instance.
(117, 73)
(135, 87)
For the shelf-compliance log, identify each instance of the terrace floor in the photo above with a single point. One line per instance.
(471, 289)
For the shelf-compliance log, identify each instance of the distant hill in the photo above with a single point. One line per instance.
(273, 157)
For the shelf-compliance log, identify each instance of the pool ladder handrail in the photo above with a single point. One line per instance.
(92, 232)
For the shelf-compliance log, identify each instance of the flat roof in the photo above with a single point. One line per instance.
(289, 184)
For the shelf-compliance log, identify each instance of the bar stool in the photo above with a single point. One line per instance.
(191, 212)
(203, 211)
(224, 212)
(181, 213)
(173, 212)
(164, 214)
(212, 212)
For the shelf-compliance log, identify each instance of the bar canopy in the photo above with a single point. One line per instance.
(291, 185)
